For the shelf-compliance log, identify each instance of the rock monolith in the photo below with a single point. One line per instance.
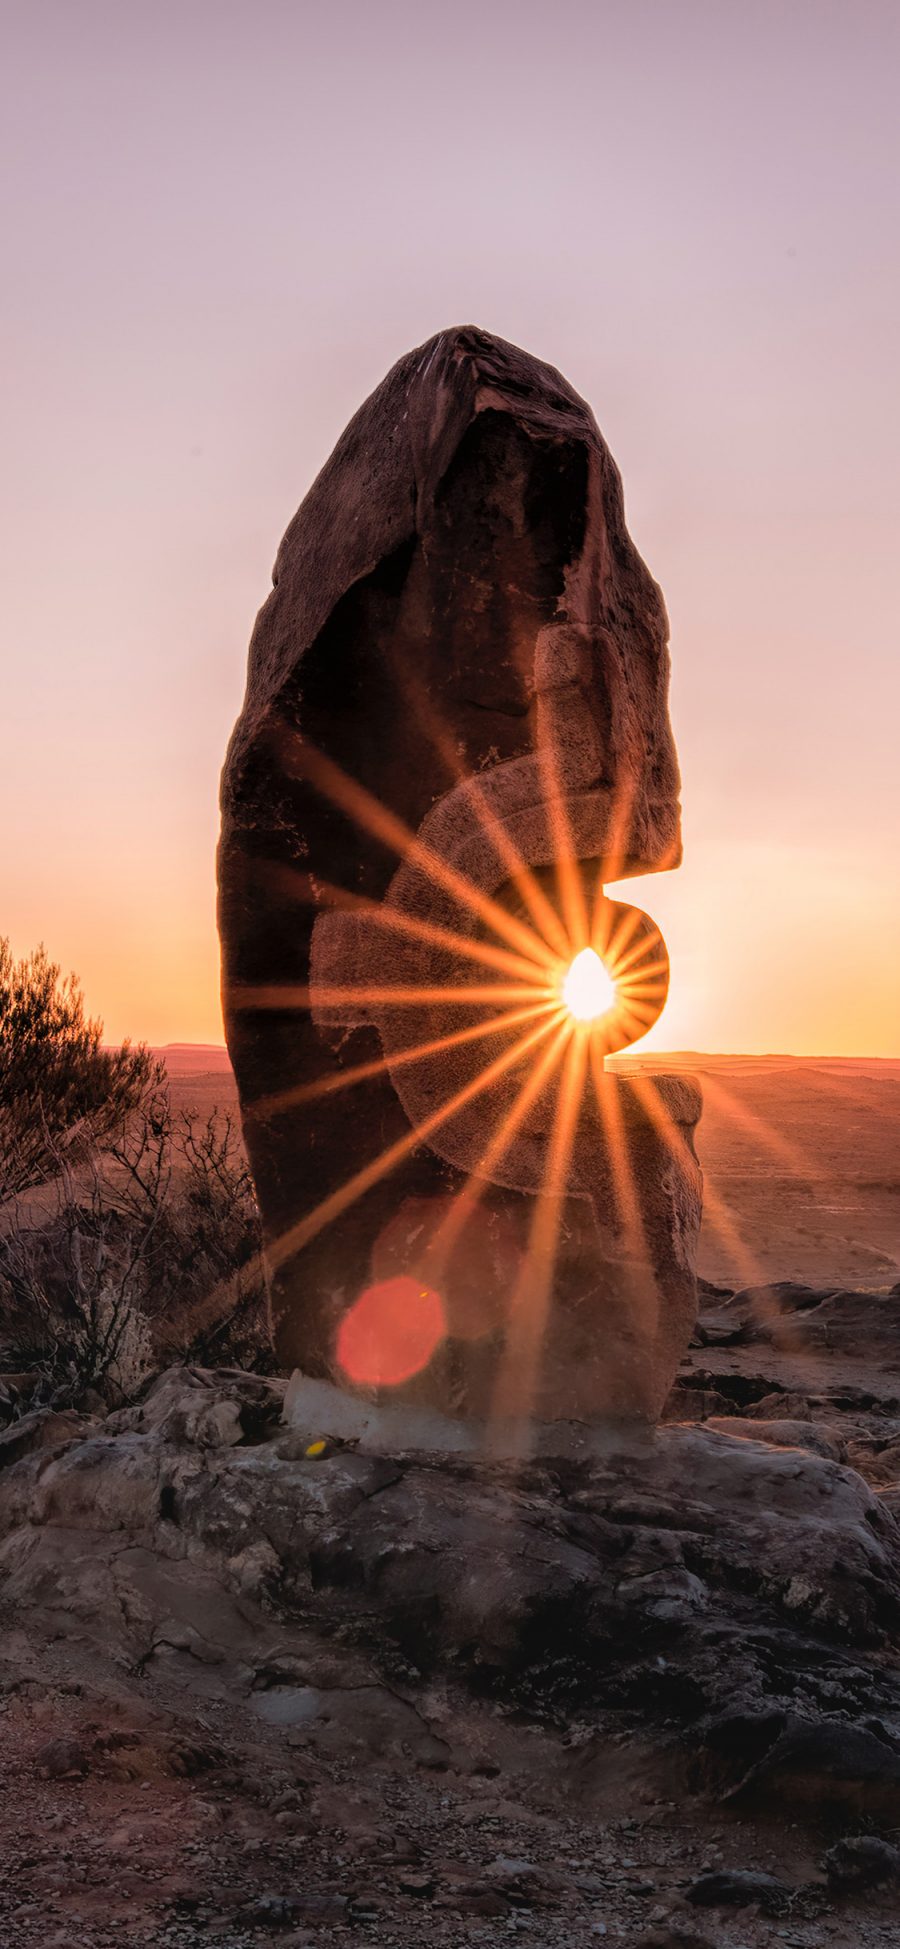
(461, 673)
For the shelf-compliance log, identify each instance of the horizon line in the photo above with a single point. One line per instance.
(638, 1055)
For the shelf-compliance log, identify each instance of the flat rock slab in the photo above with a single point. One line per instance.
(739, 1601)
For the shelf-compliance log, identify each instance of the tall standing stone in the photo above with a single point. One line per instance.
(460, 625)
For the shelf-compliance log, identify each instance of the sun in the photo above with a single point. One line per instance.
(588, 989)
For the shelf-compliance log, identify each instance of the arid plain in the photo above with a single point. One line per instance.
(801, 1158)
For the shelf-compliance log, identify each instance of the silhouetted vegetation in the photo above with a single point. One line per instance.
(129, 1235)
(58, 1085)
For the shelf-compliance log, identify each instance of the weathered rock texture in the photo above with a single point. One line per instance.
(245, 1686)
(741, 1598)
(461, 625)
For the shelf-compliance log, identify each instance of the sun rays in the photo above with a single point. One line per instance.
(293, 1240)
(539, 1057)
(530, 1299)
(479, 989)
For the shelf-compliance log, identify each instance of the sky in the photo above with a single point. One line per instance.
(223, 220)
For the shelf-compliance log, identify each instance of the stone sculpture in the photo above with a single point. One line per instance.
(461, 672)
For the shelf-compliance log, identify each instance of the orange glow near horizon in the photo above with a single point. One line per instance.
(744, 930)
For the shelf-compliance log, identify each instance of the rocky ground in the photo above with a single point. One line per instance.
(646, 1689)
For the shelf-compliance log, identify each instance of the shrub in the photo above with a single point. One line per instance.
(141, 1250)
(58, 1085)
(128, 1235)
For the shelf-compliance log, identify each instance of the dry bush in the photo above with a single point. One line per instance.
(60, 1089)
(208, 1281)
(141, 1247)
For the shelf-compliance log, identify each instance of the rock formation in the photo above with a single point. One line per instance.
(264, 1670)
(743, 1595)
(462, 665)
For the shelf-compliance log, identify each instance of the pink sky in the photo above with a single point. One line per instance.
(225, 221)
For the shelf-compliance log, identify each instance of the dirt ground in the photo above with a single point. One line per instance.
(133, 1811)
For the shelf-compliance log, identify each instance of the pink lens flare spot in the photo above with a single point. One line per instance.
(391, 1332)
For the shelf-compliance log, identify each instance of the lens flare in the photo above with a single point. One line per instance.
(391, 1332)
(588, 989)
